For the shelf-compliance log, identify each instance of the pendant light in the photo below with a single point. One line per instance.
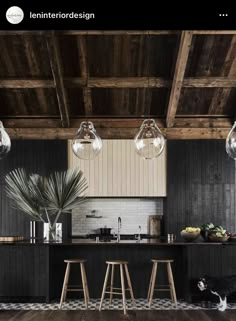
(149, 141)
(230, 145)
(5, 142)
(86, 144)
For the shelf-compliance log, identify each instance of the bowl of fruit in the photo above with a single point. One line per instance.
(218, 234)
(190, 233)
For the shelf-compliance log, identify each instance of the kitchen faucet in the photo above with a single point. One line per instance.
(119, 228)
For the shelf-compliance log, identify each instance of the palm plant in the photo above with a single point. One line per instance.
(46, 198)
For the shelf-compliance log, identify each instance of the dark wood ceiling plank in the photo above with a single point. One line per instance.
(56, 67)
(221, 96)
(83, 59)
(35, 70)
(15, 100)
(181, 62)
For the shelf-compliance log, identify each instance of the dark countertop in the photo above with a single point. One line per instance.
(152, 242)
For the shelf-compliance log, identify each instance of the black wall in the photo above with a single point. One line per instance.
(200, 185)
(38, 156)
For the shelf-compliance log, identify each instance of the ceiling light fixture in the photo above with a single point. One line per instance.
(86, 144)
(149, 141)
(5, 142)
(230, 145)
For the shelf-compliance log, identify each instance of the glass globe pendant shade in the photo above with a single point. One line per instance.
(5, 142)
(86, 144)
(149, 141)
(230, 145)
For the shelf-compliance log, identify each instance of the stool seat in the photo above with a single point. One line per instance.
(114, 262)
(162, 261)
(124, 273)
(67, 288)
(170, 287)
(75, 261)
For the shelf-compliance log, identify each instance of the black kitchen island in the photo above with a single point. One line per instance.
(34, 271)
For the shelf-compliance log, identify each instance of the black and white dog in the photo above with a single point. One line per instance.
(222, 287)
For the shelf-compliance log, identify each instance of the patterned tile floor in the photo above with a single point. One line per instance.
(141, 304)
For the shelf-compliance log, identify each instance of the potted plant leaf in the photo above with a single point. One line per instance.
(46, 198)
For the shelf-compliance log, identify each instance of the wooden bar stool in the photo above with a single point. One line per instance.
(170, 287)
(66, 286)
(123, 266)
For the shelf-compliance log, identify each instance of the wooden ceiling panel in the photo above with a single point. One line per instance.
(70, 56)
(24, 56)
(75, 102)
(230, 106)
(24, 103)
(140, 102)
(207, 55)
(195, 101)
(131, 56)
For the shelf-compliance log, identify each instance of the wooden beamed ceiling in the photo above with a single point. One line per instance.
(51, 81)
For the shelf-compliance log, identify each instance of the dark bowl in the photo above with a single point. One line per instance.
(232, 239)
(204, 234)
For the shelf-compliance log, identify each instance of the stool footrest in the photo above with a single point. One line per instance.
(109, 287)
(162, 289)
(118, 293)
(74, 290)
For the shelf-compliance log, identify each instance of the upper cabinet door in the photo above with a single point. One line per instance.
(119, 171)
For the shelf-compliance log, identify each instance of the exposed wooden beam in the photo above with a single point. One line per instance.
(56, 66)
(119, 32)
(115, 32)
(121, 82)
(200, 122)
(210, 82)
(26, 83)
(103, 122)
(181, 62)
(83, 59)
(214, 32)
(117, 133)
(220, 98)
(106, 122)
(90, 32)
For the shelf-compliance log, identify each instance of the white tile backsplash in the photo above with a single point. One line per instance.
(133, 212)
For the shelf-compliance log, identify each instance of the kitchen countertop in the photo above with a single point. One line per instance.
(152, 242)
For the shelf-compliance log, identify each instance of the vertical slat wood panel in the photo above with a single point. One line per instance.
(201, 185)
(119, 171)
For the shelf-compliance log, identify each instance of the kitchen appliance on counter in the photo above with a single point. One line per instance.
(154, 225)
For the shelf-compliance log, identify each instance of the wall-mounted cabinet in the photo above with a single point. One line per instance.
(119, 171)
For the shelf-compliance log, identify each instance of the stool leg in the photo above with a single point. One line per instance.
(171, 283)
(150, 283)
(153, 283)
(65, 285)
(84, 284)
(129, 284)
(104, 286)
(112, 281)
(123, 287)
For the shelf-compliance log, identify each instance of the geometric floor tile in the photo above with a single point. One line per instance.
(141, 304)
